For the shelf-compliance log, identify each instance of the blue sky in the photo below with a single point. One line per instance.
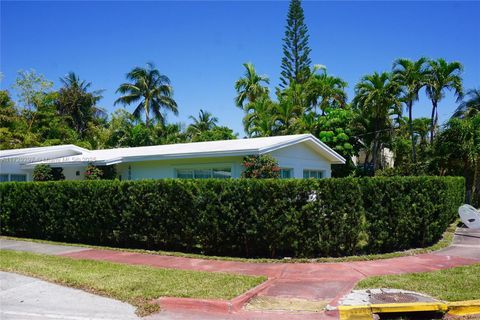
(201, 45)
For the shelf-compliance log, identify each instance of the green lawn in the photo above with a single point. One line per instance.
(456, 284)
(133, 284)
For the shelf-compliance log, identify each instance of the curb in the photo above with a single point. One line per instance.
(364, 312)
(463, 308)
(211, 305)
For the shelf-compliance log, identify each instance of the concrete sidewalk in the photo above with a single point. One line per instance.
(38, 247)
(29, 298)
(322, 282)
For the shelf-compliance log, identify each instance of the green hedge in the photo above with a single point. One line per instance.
(238, 217)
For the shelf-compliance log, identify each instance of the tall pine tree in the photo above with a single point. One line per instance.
(296, 52)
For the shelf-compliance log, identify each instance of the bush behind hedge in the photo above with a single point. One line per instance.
(237, 217)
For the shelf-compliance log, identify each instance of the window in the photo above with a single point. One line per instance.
(185, 174)
(3, 177)
(202, 173)
(18, 177)
(312, 174)
(222, 173)
(285, 173)
(218, 173)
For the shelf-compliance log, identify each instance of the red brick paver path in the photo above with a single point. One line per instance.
(312, 281)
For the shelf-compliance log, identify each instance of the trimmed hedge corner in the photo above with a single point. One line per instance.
(237, 217)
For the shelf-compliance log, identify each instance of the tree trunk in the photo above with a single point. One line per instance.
(476, 183)
(147, 112)
(410, 123)
(376, 145)
(432, 123)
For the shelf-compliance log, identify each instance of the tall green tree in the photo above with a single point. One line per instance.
(251, 86)
(31, 86)
(457, 152)
(214, 134)
(326, 91)
(475, 122)
(296, 52)
(286, 115)
(151, 90)
(50, 127)
(260, 118)
(78, 105)
(204, 122)
(11, 133)
(442, 76)
(412, 76)
(119, 130)
(470, 106)
(377, 98)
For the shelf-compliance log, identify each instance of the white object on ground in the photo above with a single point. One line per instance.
(469, 216)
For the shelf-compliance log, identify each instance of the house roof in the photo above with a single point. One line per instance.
(67, 148)
(223, 148)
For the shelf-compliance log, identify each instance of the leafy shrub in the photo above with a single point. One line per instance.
(260, 167)
(44, 172)
(93, 172)
(237, 217)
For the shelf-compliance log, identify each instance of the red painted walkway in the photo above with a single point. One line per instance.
(311, 281)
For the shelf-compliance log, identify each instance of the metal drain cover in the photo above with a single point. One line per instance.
(382, 296)
(393, 297)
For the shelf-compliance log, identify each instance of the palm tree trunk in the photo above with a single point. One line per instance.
(376, 145)
(476, 183)
(410, 123)
(433, 124)
(147, 112)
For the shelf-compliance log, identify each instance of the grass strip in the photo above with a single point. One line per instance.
(455, 284)
(137, 285)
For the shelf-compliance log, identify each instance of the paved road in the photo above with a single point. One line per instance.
(25, 298)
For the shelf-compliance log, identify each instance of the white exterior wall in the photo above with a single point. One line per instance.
(167, 168)
(10, 167)
(70, 173)
(299, 157)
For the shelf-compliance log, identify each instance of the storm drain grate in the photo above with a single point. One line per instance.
(397, 297)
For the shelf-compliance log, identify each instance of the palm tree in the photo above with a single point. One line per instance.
(78, 104)
(442, 76)
(204, 122)
(412, 76)
(326, 91)
(308, 123)
(286, 115)
(377, 98)
(260, 120)
(152, 91)
(250, 87)
(470, 107)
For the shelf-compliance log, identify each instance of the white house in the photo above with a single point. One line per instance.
(299, 156)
